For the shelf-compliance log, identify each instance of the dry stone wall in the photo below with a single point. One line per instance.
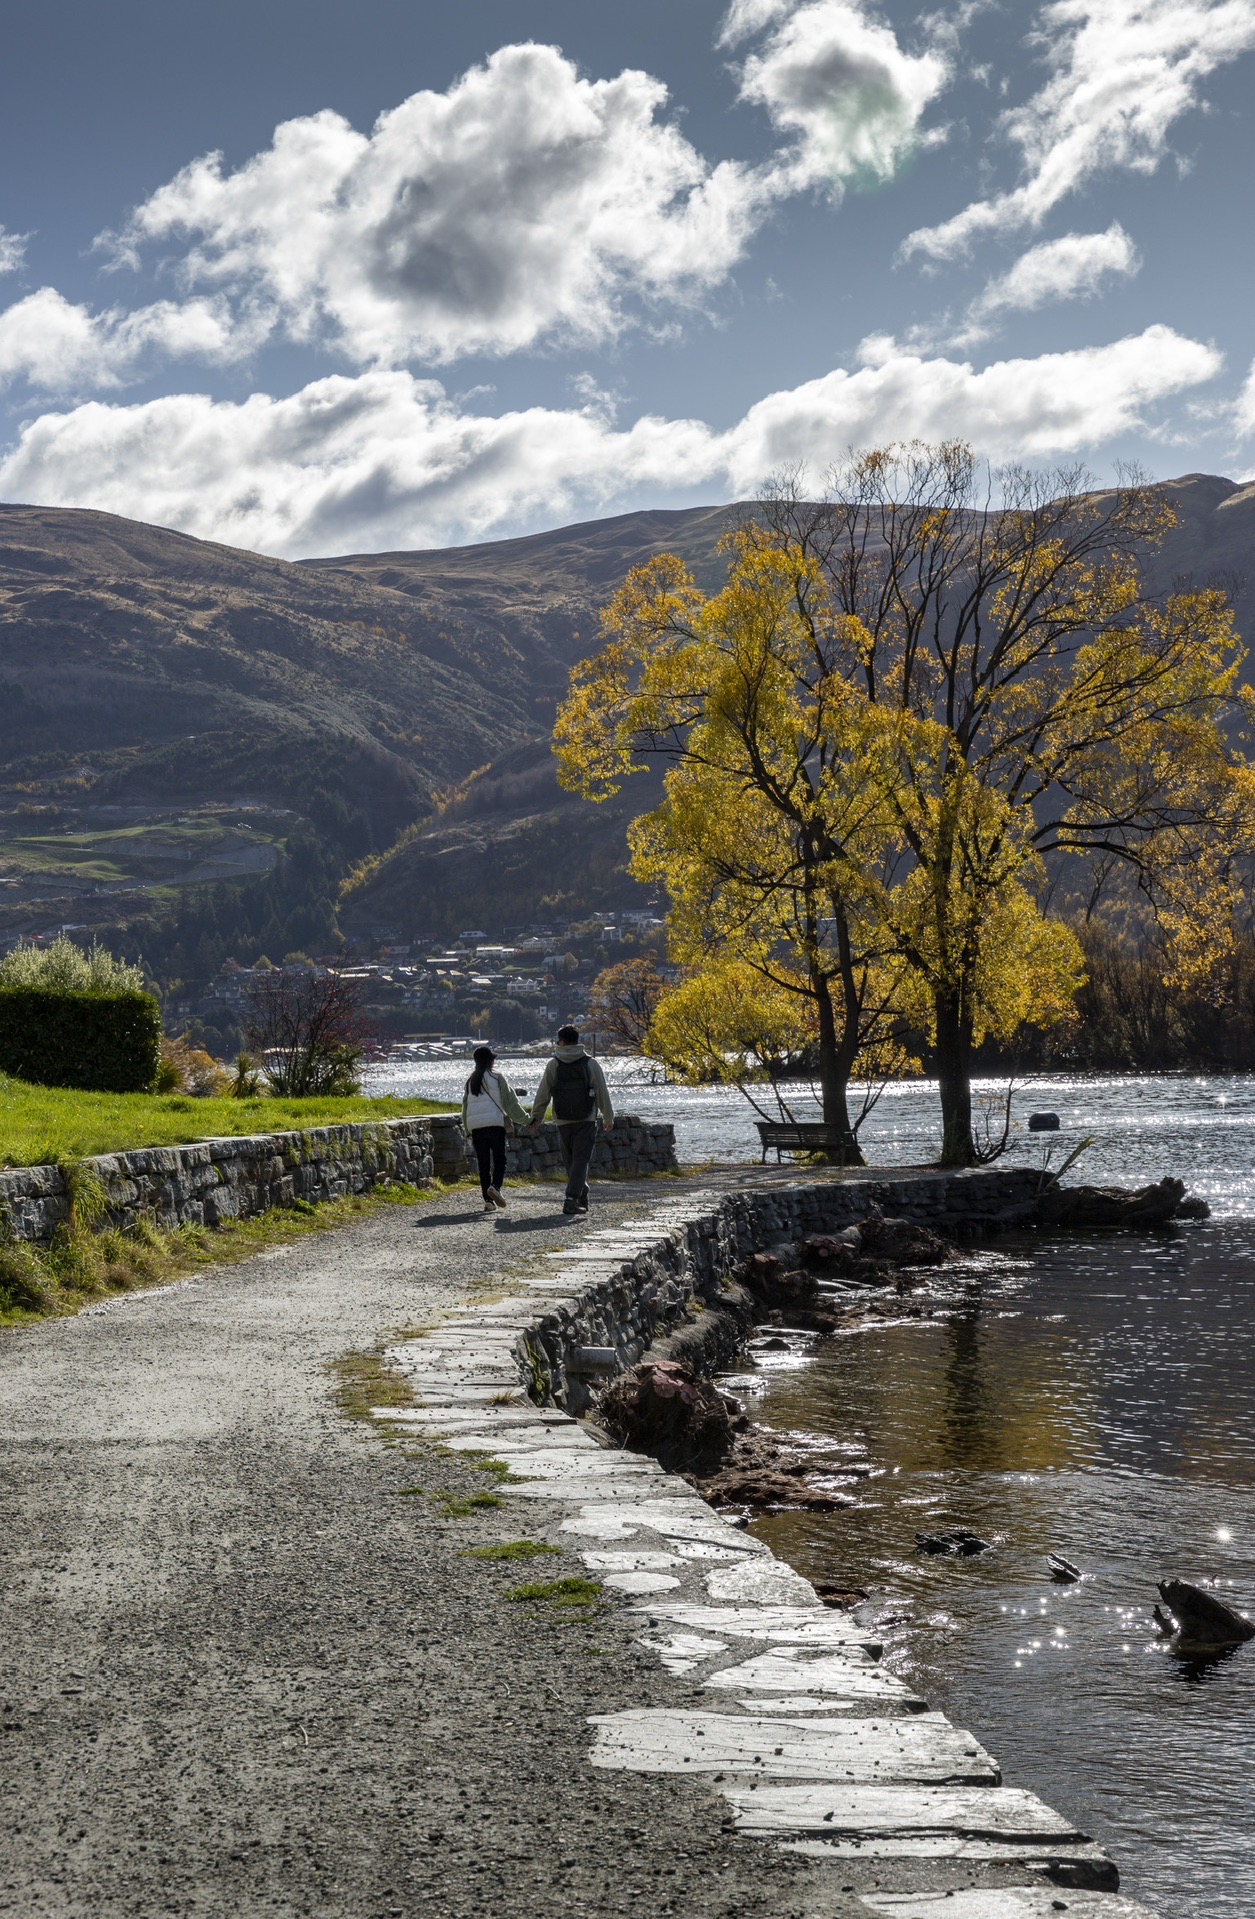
(618, 1294)
(633, 1147)
(218, 1179)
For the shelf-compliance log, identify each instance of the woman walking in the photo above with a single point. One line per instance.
(488, 1105)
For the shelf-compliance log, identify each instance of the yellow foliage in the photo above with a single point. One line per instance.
(727, 1026)
(900, 702)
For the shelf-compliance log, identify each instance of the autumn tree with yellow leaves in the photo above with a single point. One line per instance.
(907, 697)
(774, 828)
(1037, 700)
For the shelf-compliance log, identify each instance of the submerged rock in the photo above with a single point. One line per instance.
(959, 1542)
(1200, 1618)
(903, 1242)
(766, 1486)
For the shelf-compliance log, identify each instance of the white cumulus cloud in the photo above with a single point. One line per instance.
(12, 250)
(383, 459)
(1063, 269)
(1122, 73)
(525, 204)
(838, 83)
(59, 347)
(1244, 412)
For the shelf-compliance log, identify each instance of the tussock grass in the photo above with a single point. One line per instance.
(364, 1381)
(464, 1505)
(41, 1125)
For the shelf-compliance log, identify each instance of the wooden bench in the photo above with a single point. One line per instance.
(796, 1136)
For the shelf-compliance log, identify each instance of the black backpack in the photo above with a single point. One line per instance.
(572, 1090)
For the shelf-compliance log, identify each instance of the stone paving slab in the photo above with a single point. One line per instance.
(1011, 1902)
(922, 1750)
(683, 1519)
(781, 1625)
(878, 1812)
(522, 1443)
(784, 1670)
(569, 1466)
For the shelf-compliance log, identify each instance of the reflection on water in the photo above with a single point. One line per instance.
(1202, 1130)
(1095, 1399)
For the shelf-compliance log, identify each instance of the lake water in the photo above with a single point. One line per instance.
(1091, 1397)
(1201, 1130)
(1095, 1399)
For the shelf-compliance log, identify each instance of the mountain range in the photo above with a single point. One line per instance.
(187, 728)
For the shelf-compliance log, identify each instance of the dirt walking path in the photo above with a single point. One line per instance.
(243, 1672)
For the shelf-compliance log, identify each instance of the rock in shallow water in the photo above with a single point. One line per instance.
(1201, 1618)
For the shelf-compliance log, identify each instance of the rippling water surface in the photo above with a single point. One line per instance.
(1203, 1130)
(1092, 1397)
(1096, 1399)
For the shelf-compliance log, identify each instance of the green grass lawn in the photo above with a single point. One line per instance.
(43, 1123)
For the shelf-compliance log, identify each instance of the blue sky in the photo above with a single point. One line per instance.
(313, 279)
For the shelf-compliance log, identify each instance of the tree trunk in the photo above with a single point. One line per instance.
(954, 1079)
(836, 1062)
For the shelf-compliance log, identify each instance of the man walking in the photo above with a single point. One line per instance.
(577, 1087)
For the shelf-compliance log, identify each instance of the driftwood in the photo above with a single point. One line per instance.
(1202, 1619)
(1062, 1570)
(1097, 1209)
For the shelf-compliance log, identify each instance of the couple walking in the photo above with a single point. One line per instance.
(575, 1086)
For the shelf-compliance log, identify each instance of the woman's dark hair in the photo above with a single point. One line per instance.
(483, 1057)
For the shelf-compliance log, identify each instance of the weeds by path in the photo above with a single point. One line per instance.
(83, 1266)
(562, 1593)
(514, 1549)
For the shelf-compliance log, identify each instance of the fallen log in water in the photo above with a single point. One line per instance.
(1097, 1209)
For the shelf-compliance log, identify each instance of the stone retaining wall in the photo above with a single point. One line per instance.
(216, 1179)
(619, 1294)
(633, 1147)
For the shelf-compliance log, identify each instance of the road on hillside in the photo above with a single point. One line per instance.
(241, 1674)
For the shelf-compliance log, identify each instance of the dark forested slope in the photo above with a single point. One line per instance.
(196, 743)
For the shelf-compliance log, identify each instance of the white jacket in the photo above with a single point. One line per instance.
(492, 1106)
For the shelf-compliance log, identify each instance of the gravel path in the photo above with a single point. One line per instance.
(240, 1674)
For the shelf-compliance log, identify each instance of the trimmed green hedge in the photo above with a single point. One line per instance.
(97, 1042)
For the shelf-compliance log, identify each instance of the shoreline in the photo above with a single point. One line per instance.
(855, 1771)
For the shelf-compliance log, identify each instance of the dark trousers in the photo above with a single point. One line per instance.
(489, 1144)
(577, 1143)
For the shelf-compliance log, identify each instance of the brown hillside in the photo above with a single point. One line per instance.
(171, 710)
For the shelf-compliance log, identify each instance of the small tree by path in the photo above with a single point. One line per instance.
(309, 1032)
(624, 998)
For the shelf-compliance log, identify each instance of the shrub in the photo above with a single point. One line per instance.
(188, 1068)
(61, 966)
(308, 1031)
(96, 1040)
